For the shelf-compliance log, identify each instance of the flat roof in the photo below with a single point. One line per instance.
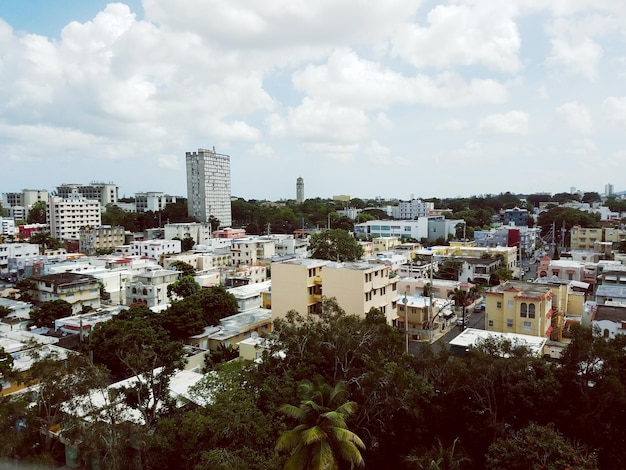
(472, 337)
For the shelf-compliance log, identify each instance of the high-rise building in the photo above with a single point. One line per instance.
(208, 186)
(608, 190)
(300, 190)
(67, 216)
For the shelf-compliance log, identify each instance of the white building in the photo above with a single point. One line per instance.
(208, 186)
(610, 320)
(150, 288)
(105, 193)
(252, 250)
(152, 201)
(413, 209)
(199, 232)
(7, 226)
(67, 216)
(150, 248)
(15, 256)
(416, 229)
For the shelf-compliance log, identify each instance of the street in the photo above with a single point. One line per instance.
(474, 320)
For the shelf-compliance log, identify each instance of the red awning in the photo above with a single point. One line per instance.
(549, 331)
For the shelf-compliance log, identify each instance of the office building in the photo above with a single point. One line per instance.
(208, 186)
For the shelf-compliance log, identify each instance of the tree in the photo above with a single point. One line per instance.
(591, 197)
(185, 268)
(538, 447)
(37, 213)
(322, 436)
(48, 311)
(462, 298)
(45, 241)
(187, 243)
(214, 303)
(335, 245)
(439, 457)
(183, 287)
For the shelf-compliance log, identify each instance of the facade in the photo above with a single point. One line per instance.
(230, 233)
(15, 256)
(300, 190)
(105, 193)
(91, 240)
(67, 216)
(516, 216)
(152, 201)
(150, 288)
(385, 243)
(583, 238)
(413, 209)
(18, 204)
(478, 270)
(199, 233)
(208, 186)
(610, 320)
(79, 290)
(416, 229)
(250, 296)
(7, 226)
(252, 251)
(536, 309)
(300, 284)
(153, 248)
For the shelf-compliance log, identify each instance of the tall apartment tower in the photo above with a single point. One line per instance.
(68, 216)
(300, 190)
(608, 190)
(208, 186)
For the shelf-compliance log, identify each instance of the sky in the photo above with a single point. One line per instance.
(394, 98)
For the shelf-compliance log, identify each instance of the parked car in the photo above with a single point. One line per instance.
(459, 322)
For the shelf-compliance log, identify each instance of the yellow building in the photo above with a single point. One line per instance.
(300, 284)
(534, 309)
(583, 238)
(385, 243)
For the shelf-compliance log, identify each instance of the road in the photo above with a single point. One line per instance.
(475, 320)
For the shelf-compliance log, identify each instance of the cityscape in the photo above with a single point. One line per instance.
(312, 235)
(224, 281)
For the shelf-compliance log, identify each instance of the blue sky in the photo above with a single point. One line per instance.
(391, 99)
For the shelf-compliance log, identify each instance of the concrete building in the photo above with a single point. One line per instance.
(208, 186)
(154, 249)
(300, 190)
(15, 256)
(472, 337)
(199, 233)
(250, 296)
(516, 216)
(536, 309)
(105, 193)
(67, 216)
(152, 201)
(416, 229)
(150, 288)
(413, 209)
(610, 320)
(79, 290)
(18, 204)
(300, 284)
(92, 240)
(252, 250)
(7, 226)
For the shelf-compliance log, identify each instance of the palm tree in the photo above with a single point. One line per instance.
(439, 457)
(322, 436)
(462, 298)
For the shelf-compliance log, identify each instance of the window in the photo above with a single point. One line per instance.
(509, 323)
(490, 323)
(531, 311)
(498, 304)
(523, 310)
(509, 304)
(527, 325)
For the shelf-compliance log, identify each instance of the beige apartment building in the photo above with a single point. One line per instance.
(358, 287)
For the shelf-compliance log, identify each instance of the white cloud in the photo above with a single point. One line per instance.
(320, 121)
(454, 125)
(615, 108)
(379, 154)
(169, 162)
(264, 151)
(575, 118)
(513, 122)
(463, 33)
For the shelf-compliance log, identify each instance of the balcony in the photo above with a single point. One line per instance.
(317, 280)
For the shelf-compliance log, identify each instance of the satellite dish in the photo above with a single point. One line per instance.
(254, 335)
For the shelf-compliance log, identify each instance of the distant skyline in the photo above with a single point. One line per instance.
(431, 98)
